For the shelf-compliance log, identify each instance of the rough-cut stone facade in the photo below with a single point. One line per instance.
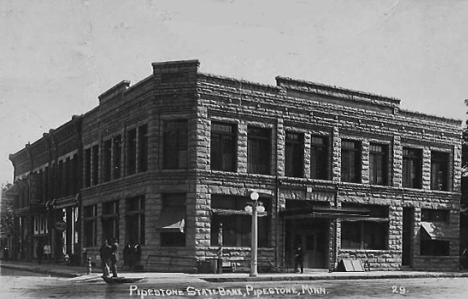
(176, 90)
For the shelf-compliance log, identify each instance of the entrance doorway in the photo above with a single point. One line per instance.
(408, 214)
(312, 236)
(313, 246)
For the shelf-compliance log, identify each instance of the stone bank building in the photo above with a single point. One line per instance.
(170, 162)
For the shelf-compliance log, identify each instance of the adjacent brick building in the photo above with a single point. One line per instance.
(170, 162)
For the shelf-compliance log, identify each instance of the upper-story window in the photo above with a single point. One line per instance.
(412, 168)
(131, 151)
(107, 160)
(223, 146)
(87, 166)
(350, 161)
(378, 164)
(439, 171)
(143, 148)
(258, 150)
(95, 165)
(294, 160)
(137, 150)
(319, 158)
(91, 165)
(175, 144)
(116, 157)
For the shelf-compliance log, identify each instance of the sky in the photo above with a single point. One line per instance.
(58, 56)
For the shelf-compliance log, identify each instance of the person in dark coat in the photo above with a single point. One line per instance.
(105, 252)
(114, 257)
(39, 252)
(299, 259)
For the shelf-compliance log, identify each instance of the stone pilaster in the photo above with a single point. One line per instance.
(336, 155)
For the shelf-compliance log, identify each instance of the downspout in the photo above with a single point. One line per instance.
(335, 239)
(277, 263)
(277, 202)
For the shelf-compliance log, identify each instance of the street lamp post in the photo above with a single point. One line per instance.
(255, 208)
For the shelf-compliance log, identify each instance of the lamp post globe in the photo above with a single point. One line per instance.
(254, 196)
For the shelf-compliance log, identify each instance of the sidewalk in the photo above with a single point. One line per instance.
(61, 270)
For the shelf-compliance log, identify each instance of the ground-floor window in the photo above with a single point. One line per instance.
(110, 220)
(435, 247)
(90, 226)
(172, 220)
(436, 232)
(364, 235)
(236, 224)
(135, 220)
(370, 232)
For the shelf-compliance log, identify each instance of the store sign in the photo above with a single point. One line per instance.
(61, 226)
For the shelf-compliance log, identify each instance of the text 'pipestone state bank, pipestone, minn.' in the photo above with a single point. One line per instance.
(170, 163)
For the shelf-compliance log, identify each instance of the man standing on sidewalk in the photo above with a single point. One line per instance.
(114, 257)
(105, 252)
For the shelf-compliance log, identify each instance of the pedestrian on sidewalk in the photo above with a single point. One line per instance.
(39, 252)
(114, 257)
(298, 259)
(47, 252)
(105, 252)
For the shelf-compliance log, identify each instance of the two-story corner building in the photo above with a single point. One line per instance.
(170, 162)
(47, 177)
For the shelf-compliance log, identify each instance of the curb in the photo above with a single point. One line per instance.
(43, 271)
(340, 277)
(278, 277)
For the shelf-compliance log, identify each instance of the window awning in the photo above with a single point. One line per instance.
(324, 212)
(226, 212)
(172, 219)
(368, 219)
(439, 231)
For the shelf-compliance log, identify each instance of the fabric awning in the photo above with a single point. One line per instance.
(172, 219)
(439, 231)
